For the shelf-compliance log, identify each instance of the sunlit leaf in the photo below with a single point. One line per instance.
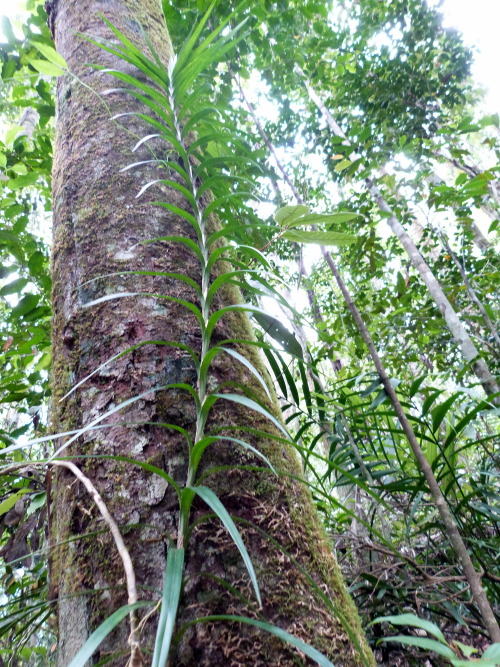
(320, 238)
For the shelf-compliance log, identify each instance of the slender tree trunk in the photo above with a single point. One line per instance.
(456, 327)
(97, 226)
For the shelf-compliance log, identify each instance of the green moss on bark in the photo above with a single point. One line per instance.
(97, 221)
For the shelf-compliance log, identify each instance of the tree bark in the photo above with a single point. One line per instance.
(97, 226)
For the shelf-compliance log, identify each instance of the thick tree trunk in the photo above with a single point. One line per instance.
(97, 224)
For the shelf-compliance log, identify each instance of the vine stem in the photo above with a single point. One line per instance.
(136, 658)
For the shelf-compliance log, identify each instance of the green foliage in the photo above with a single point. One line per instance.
(490, 658)
(399, 102)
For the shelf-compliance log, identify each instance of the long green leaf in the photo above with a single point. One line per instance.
(440, 411)
(413, 621)
(165, 274)
(201, 445)
(277, 330)
(319, 218)
(121, 295)
(155, 94)
(253, 405)
(179, 211)
(311, 652)
(169, 605)
(243, 360)
(142, 464)
(215, 317)
(215, 504)
(99, 635)
(161, 110)
(423, 642)
(156, 71)
(177, 186)
(224, 279)
(121, 406)
(175, 239)
(190, 43)
(179, 346)
(320, 238)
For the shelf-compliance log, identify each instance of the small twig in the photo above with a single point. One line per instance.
(140, 626)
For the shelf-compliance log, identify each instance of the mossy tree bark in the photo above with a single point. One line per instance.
(97, 224)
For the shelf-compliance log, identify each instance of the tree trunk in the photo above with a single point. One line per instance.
(97, 224)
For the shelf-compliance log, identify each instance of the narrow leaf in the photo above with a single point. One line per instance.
(169, 605)
(320, 238)
(201, 445)
(413, 621)
(97, 637)
(320, 218)
(277, 330)
(253, 405)
(215, 504)
(311, 652)
(243, 360)
(423, 642)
